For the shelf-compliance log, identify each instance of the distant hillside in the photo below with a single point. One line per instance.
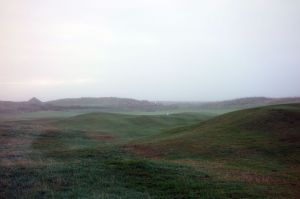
(111, 104)
(31, 105)
(235, 104)
(114, 104)
(105, 104)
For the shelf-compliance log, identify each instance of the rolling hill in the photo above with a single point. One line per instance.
(252, 153)
(272, 131)
(259, 146)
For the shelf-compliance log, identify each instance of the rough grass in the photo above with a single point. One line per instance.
(271, 131)
(110, 156)
(259, 146)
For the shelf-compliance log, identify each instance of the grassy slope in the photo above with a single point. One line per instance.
(260, 144)
(39, 159)
(231, 156)
(272, 127)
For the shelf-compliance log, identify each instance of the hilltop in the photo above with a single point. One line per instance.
(34, 100)
(31, 105)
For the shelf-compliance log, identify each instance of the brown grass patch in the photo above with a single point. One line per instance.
(145, 151)
(100, 136)
(17, 158)
(221, 172)
(21, 163)
(13, 141)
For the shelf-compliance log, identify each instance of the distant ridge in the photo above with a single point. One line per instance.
(31, 105)
(103, 104)
(250, 102)
(115, 104)
(111, 103)
(241, 103)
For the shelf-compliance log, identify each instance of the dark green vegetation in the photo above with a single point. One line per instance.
(245, 154)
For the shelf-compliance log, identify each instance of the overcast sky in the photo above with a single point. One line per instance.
(149, 49)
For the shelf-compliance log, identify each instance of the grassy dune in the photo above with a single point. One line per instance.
(246, 154)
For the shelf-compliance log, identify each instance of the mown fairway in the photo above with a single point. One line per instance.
(246, 154)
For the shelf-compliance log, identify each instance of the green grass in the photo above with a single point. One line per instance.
(268, 130)
(129, 126)
(74, 112)
(254, 145)
(245, 154)
(109, 172)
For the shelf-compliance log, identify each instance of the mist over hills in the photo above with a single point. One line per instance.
(28, 106)
(103, 104)
(113, 104)
(110, 103)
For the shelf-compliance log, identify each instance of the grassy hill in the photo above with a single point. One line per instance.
(264, 129)
(257, 146)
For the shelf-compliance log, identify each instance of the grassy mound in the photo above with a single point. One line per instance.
(268, 131)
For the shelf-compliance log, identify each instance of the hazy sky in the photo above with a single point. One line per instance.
(149, 49)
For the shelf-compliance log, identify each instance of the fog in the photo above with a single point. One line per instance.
(149, 49)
